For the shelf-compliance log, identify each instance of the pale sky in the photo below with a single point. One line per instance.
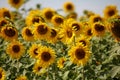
(96, 6)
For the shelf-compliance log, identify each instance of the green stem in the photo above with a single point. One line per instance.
(47, 78)
(83, 76)
(17, 66)
(74, 40)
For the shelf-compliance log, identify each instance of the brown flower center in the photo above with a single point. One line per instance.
(39, 68)
(35, 20)
(10, 32)
(83, 42)
(46, 56)
(97, 19)
(0, 75)
(53, 33)
(80, 54)
(42, 29)
(69, 7)
(7, 14)
(76, 26)
(16, 48)
(116, 29)
(48, 14)
(35, 51)
(16, 1)
(2, 23)
(63, 61)
(99, 27)
(69, 33)
(28, 32)
(58, 20)
(111, 12)
(89, 32)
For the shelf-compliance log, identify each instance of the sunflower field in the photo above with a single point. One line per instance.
(42, 44)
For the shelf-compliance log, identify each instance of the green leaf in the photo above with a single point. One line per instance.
(114, 71)
(65, 76)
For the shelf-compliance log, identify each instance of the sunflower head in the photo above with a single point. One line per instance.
(84, 40)
(39, 68)
(77, 27)
(41, 31)
(114, 28)
(32, 19)
(57, 20)
(46, 56)
(34, 16)
(98, 29)
(27, 34)
(37, 19)
(66, 35)
(79, 54)
(3, 22)
(33, 50)
(95, 18)
(66, 32)
(87, 30)
(110, 11)
(61, 62)
(48, 13)
(53, 35)
(21, 78)
(4, 12)
(15, 49)
(16, 3)
(2, 74)
(9, 33)
(68, 7)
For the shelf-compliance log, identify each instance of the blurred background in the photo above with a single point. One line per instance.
(96, 6)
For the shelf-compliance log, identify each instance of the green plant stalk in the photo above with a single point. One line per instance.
(83, 76)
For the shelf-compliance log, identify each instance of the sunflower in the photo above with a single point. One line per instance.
(33, 50)
(110, 11)
(48, 13)
(2, 74)
(33, 17)
(77, 27)
(16, 3)
(9, 33)
(114, 27)
(79, 54)
(15, 49)
(95, 18)
(41, 31)
(68, 7)
(83, 39)
(88, 30)
(27, 34)
(53, 35)
(57, 20)
(39, 69)
(60, 62)
(4, 12)
(3, 22)
(46, 56)
(21, 77)
(66, 33)
(98, 29)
